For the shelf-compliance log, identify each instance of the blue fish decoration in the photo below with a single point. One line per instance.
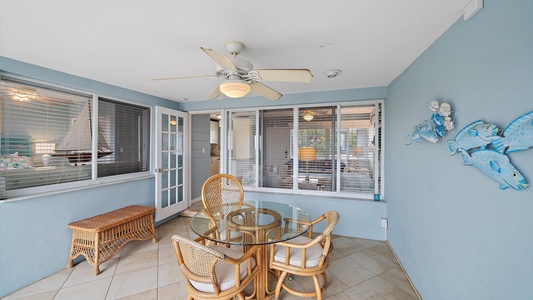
(476, 134)
(517, 136)
(438, 120)
(497, 166)
(429, 133)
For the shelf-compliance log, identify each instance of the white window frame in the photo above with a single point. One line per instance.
(39, 191)
(378, 167)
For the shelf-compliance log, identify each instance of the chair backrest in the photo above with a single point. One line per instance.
(331, 217)
(197, 261)
(214, 272)
(221, 194)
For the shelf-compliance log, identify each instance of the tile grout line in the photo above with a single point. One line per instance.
(403, 270)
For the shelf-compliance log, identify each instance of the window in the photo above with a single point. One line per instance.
(336, 148)
(46, 136)
(242, 146)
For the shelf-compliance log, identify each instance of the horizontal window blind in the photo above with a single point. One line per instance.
(357, 149)
(337, 148)
(123, 133)
(34, 122)
(276, 153)
(46, 136)
(316, 148)
(242, 147)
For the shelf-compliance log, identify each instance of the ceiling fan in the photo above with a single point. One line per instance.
(241, 78)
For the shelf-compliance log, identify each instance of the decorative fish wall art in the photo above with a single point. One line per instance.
(436, 127)
(497, 166)
(517, 136)
(476, 134)
(475, 138)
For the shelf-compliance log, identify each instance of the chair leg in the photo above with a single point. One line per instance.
(324, 281)
(318, 288)
(280, 284)
(240, 296)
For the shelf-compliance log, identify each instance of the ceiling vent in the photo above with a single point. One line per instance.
(332, 73)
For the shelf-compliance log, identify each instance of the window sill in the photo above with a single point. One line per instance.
(313, 193)
(30, 193)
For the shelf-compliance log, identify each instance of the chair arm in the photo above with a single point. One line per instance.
(299, 224)
(200, 240)
(247, 255)
(300, 246)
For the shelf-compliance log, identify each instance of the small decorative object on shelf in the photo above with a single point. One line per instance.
(436, 127)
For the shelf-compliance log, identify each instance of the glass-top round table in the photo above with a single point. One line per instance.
(255, 223)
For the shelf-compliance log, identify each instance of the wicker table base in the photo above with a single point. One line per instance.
(100, 237)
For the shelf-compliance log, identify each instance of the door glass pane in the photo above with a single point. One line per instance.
(173, 178)
(164, 180)
(180, 142)
(180, 194)
(180, 176)
(164, 122)
(180, 125)
(172, 196)
(180, 158)
(164, 160)
(164, 198)
(172, 123)
(173, 160)
(164, 141)
(172, 141)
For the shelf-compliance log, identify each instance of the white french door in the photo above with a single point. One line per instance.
(171, 157)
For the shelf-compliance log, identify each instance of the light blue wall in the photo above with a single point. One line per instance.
(358, 218)
(200, 160)
(457, 234)
(34, 238)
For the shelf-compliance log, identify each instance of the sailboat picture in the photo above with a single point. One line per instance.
(77, 144)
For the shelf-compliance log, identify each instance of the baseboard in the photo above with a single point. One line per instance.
(403, 270)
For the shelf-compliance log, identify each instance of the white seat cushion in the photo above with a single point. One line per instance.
(225, 272)
(312, 256)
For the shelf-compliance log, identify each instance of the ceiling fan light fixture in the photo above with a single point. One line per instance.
(308, 116)
(235, 88)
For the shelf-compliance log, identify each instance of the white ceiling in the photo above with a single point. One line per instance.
(126, 43)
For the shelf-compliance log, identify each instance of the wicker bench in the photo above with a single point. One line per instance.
(100, 237)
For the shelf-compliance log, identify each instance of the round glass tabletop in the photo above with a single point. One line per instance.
(255, 223)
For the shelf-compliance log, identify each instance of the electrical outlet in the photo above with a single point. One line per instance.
(384, 223)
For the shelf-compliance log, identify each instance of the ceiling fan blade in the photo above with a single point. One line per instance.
(264, 90)
(290, 75)
(185, 77)
(214, 93)
(221, 59)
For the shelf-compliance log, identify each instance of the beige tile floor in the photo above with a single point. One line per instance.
(359, 269)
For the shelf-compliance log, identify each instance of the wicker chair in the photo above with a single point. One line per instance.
(304, 256)
(214, 272)
(221, 194)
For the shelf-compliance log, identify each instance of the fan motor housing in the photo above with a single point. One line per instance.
(243, 67)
